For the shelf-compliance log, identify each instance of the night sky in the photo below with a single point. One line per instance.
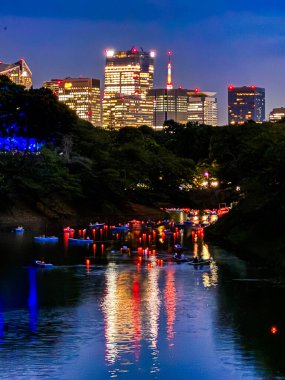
(214, 43)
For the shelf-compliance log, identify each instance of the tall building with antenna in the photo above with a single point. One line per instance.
(128, 78)
(169, 85)
(182, 105)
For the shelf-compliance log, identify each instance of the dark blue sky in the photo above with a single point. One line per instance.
(214, 43)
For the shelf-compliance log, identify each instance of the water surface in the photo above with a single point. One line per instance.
(114, 319)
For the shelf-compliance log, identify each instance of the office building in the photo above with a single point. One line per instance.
(246, 103)
(169, 104)
(202, 107)
(128, 78)
(81, 95)
(182, 106)
(18, 72)
(277, 114)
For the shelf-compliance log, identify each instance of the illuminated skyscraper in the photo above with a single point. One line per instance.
(128, 77)
(246, 103)
(202, 107)
(182, 105)
(19, 72)
(81, 95)
(169, 104)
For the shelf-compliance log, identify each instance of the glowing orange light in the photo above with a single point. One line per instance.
(274, 330)
(87, 262)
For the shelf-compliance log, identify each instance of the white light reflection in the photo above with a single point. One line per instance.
(170, 304)
(121, 309)
(152, 308)
(110, 314)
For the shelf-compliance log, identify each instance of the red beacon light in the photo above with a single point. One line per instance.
(196, 89)
(169, 52)
(134, 50)
(231, 87)
(252, 87)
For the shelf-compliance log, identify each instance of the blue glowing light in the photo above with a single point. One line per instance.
(20, 144)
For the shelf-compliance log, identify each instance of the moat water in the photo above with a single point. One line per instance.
(114, 319)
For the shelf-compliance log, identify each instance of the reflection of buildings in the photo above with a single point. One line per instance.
(129, 300)
(246, 103)
(18, 72)
(81, 95)
(170, 304)
(122, 315)
(128, 77)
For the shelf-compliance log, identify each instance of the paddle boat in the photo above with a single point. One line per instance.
(19, 230)
(68, 230)
(42, 264)
(80, 241)
(179, 258)
(125, 250)
(45, 239)
(196, 262)
(177, 248)
(118, 229)
(96, 225)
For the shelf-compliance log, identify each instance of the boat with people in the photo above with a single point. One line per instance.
(45, 239)
(19, 229)
(125, 250)
(42, 264)
(96, 225)
(177, 248)
(199, 262)
(180, 258)
(68, 230)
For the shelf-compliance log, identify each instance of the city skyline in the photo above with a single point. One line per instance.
(213, 45)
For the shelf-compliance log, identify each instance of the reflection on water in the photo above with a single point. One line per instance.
(170, 304)
(114, 319)
(32, 301)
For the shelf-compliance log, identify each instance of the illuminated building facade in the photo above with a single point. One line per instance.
(182, 106)
(202, 107)
(18, 72)
(246, 103)
(128, 77)
(168, 104)
(277, 114)
(81, 95)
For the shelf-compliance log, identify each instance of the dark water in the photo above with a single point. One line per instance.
(114, 319)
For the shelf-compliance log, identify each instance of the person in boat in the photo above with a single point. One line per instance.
(196, 260)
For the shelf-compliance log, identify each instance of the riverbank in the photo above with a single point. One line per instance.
(42, 217)
(254, 231)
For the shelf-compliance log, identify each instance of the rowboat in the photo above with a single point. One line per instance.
(45, 239)
(42, 264)
(96, 225)
(19, 229)
(80, 241)
(200, 262)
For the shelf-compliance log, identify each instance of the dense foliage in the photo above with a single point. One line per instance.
(86, 168)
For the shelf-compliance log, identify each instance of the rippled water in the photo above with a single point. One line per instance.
(114, 319)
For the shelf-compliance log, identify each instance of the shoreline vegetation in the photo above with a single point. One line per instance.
(82, 173)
